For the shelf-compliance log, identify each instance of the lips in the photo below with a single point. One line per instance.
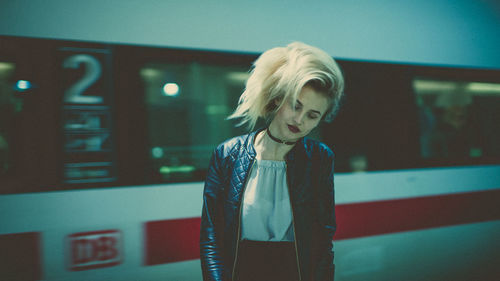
(293, 129)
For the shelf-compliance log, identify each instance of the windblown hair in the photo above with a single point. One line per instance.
(279, 74)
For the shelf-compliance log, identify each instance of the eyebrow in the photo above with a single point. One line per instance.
(311, 109)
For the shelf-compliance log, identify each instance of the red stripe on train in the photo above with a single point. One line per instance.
(178, 240)
(20, 256)
(389, 216)
(172, 240)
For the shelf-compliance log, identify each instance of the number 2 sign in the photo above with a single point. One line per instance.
(93, 70)
(86, 92)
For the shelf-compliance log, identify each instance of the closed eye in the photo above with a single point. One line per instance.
(298, 105)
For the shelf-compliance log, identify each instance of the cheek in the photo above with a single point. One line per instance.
(280, 117)
(311, 125)
(285, 114)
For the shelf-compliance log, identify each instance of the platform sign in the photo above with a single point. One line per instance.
(87, 127)
(90, 250)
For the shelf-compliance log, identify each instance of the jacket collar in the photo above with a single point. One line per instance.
(249, 142)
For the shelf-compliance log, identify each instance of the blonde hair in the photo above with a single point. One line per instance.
(279, 74)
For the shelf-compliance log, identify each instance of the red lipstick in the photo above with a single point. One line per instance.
(293, 129)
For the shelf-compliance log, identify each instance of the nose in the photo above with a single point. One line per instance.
(299, 117)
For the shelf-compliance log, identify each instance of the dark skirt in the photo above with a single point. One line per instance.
(266, 261)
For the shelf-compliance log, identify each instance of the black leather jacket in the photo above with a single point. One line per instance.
(310, 183)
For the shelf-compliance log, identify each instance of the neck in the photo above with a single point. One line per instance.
(269, 149)
(278, 140)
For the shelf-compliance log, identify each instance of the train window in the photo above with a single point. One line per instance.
(459, 121)
(186, 109)
(376, 125)
(21, 165)
(25, 134)
(10, 105)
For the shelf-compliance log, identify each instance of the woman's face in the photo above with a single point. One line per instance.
(293, 123)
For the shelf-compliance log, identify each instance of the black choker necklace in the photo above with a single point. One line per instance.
(278, 140)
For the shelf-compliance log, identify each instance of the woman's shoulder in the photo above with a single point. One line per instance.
(232, 145)
(316, 147)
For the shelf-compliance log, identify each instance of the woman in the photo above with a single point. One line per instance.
(268, 203)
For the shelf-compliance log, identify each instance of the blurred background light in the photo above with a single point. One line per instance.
(238, 77)
(176, 169)
(171, 89)
(23, 85)
(5, 66)
(157, 152)
(150, 73)
(484, 88)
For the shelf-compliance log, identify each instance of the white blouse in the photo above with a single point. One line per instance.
(266, 213)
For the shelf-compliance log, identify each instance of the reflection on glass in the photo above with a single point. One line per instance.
(457, 118)
(186, 109)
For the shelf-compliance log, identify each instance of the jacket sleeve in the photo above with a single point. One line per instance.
(325, 268)
(211, 242)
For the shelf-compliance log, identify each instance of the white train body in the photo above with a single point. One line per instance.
(435, 243)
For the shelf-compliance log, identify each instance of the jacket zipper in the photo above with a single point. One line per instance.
(293, 222)
(239, 219)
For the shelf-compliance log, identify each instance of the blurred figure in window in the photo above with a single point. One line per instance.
(450, 136)
(358, 163)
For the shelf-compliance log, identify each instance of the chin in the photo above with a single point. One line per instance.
(295, 136)
(300, 135)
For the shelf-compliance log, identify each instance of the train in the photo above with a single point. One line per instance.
(104, 148)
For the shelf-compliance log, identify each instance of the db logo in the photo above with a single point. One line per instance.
(87, 250)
